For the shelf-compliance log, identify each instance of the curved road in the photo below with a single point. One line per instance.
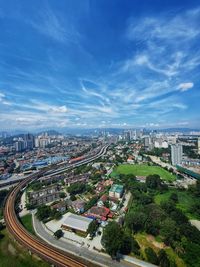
(44, 250)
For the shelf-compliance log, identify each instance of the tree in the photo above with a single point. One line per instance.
(153, 181)
(57, 215)
(58, 234)
(126, 246)
(1, 226)
(76, 188)
(174, 197)
(151, 255)
(196, 208)
(72, 197)
(192, 255)
(135, 220)
(43, 212)
(112, 238)
(106, 204)
(3, 194)
(92, 228)
(91, 203)
(163, 259)
(62, 195)
(135, 248)
(168, 231)
(190, 232)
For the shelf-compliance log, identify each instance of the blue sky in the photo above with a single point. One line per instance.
(99, 63)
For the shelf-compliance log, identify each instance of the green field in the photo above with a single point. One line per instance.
(13, 255)
(27, 222)
(144, 170)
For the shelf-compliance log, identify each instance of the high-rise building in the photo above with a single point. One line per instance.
(147, 141)
(19, 146)
(199, 145)
(176, 154)
(127, 135)
(29, 141)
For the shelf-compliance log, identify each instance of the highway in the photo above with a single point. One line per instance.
(42, 249)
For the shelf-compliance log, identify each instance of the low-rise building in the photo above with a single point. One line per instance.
(101, 213)
(76, 223)
(78, 206)
(100, 188)
(81, 178)
(43, 196)
(60, 206)
(116, 191)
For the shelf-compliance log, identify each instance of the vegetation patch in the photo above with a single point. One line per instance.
(185, 201)
(28, 223)
(11, 254)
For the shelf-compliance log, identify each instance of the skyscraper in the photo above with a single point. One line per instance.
(176, 154)
(198, 145)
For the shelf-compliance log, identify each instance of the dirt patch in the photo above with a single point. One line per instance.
(157, 244)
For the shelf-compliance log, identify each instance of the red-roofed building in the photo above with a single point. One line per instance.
(104, 198)
(96, 212)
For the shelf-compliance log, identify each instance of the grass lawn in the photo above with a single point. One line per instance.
(13, 255)
(144, 242)
(145, 170)
(28, 224)
(185, 201)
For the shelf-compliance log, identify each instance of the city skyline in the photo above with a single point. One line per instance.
(90, 64)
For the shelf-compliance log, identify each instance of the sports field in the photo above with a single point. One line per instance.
(144, 170)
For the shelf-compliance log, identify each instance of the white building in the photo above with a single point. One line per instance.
(199, 145)
(171, 139)
(159, 143)
(176, 154)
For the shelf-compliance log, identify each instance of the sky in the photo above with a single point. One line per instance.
(99, 63)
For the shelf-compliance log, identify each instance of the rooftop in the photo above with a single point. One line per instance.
(77, 222)
(116, 188)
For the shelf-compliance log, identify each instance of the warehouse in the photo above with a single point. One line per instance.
(76, 223)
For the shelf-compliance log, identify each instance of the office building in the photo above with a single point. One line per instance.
(176, 154)
(199, 145)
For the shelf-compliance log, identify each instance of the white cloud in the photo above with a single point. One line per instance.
(3, 99)
(61, 109)
(185, 86)
(1, 96)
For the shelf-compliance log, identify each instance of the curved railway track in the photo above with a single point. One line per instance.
(47, 252)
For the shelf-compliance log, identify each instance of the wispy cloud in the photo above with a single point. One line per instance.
(55, 26)
(166, 27)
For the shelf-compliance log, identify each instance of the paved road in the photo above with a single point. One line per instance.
(196, 223)
(103, 260)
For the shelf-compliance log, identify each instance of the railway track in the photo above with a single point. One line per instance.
(47, 252)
